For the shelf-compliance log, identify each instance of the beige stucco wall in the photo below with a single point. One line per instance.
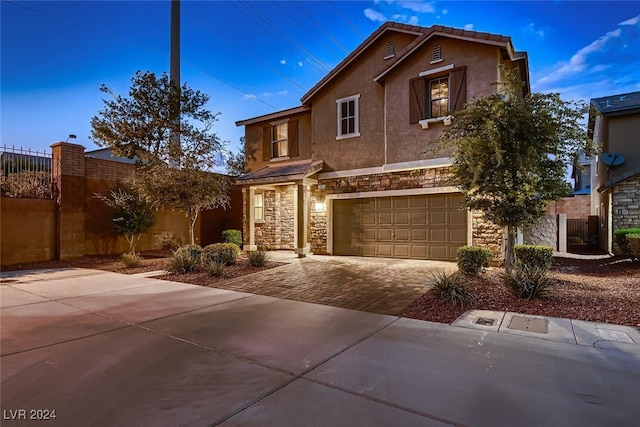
(254, 135)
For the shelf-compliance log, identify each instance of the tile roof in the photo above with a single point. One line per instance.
(274, 173)
(617, 103)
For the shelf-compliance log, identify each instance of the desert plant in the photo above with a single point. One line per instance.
(534, 256)
(215, 267)
(528, 281)
(451, 287)
(622, 241)
(258, 258)
(131, 260)
(472, 259)
(227, 252)
(185, 259)
(171, 242)
(232, 236)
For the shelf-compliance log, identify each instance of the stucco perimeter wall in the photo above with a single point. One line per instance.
(28, 229)
(576, 207)
(544, 232)
(483, 232)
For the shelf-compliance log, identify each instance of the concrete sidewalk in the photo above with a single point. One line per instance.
(104, 349)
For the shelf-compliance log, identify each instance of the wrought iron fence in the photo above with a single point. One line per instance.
(26, 173)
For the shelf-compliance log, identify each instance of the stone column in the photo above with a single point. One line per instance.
(302, 198)
(69, 174)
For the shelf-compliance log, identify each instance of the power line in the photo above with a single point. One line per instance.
(285, 35)
(346, 19)
(306, 30)
(134, 43)
(249, 54)
(312, 19)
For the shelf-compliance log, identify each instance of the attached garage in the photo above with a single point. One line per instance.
(422, 227)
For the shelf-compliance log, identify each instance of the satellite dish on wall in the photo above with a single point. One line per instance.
(612, 159)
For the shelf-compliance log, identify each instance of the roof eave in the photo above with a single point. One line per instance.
(273, 116)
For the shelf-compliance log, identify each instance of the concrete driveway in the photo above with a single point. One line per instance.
(104, 349)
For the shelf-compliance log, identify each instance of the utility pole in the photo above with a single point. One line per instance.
(174, 79)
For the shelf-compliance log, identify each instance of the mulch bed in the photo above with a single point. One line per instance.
(605, 291)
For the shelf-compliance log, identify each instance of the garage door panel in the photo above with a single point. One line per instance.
(422, 227)
(401, 218)
(401, 234)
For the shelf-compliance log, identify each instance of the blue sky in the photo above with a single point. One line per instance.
(256, 57)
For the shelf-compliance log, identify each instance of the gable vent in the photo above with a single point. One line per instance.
(436, 53)
(390, 53)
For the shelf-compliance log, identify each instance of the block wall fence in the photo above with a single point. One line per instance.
(76, 223)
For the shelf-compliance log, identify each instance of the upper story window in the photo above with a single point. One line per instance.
(439, 97)
(280, 140)
(348, 117)
(438, 93)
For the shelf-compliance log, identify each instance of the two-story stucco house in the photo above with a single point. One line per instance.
(353, 170)
(615, 177)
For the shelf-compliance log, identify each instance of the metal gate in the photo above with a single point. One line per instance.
(582, 234)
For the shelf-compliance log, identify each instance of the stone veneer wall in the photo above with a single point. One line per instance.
(276, 232)
(544, 233)
(484, 233)
(487, 235)
(626, 207)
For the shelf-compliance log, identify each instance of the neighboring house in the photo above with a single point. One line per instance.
(352, 171)
(615, 184)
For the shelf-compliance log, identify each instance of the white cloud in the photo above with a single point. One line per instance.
(417, 6)
(300, 64)
(632, 21)
(468, 27)
(250, 96)
(538, 32)
(578, 62)
(413, 20)
(374, 15)
(283, 61)
(445, 11)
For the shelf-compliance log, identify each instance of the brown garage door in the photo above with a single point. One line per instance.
(421, 227)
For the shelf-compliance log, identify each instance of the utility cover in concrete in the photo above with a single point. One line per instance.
(529, 324)
(485, 321)
(610, 335)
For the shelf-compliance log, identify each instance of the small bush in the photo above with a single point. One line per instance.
(622, 241)
(451, 287)
(226, 252)
(534, 256)
(472, 259)
(215, 267)
(232, 236)
(131, 260)
(171, 243)
(528, 281)
(633, 242)
(258, 258)
(185, 259)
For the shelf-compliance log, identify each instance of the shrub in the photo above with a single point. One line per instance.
(215, 267)
(534, 256)
(622, 241)
(232, 236)
(451, 287)
(172, 242)
(633, 242)
(528, 281)
(131, 260)
(226, 252)
(258, 258)
(185, 259)
(472, 259)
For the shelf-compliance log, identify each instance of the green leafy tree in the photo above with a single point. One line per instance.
(175, 155)
(186, 190)
(132, 214)
(511, 154)
(236, 161)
